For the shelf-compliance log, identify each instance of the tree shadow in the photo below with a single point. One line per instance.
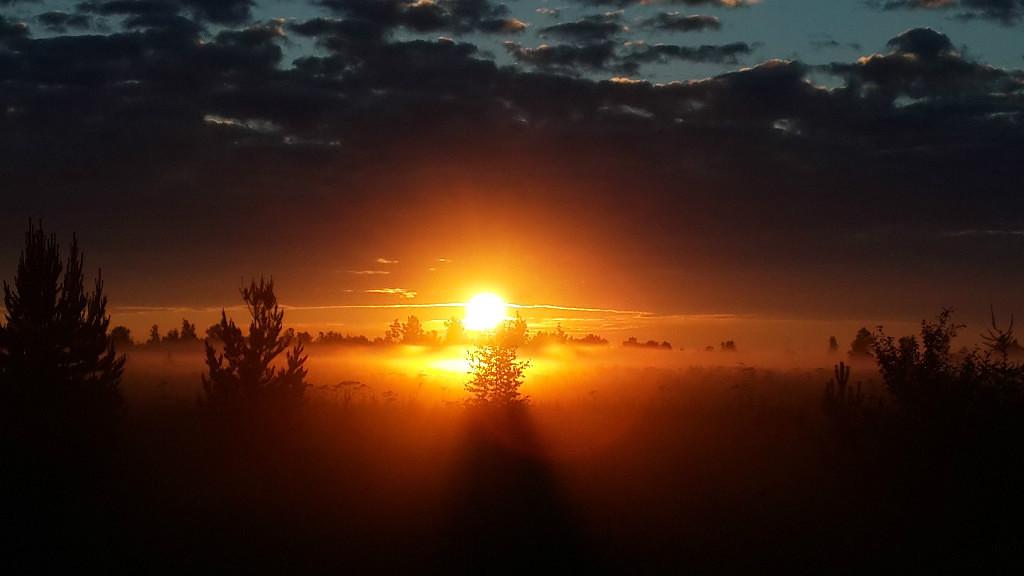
(507, 513)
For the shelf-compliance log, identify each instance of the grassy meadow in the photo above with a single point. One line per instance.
(624, 462)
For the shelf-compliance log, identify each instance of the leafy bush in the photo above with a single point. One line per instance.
(926, 376)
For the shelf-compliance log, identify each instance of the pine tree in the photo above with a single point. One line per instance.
(55, 345)
(244, 373)
(496, 375)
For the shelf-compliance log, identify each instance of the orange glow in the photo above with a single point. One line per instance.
(484, 311)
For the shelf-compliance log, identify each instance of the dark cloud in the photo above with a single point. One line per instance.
(1005, 11)
(594, 28)
(923, 65)
(129, 8)
(12, 31)
(678, 23)
(228, 12)
(565, 57)
(625, 3)
(61, 22)
(429, 15)
(638, 53)
(924, 42)
(221, 11)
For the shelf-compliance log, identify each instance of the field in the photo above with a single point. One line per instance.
(652, 462)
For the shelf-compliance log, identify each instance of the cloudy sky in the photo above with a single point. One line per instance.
(650, 162)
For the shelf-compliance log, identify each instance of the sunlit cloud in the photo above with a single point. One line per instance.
(369, 272)
(578, 309)
(393, 291)
(386, 261)
(254, 124)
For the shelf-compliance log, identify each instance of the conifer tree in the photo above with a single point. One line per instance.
(54, 344)
(244, 373)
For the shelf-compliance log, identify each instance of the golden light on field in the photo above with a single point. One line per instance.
(484, 311)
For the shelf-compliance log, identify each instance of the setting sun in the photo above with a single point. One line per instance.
(484, 311)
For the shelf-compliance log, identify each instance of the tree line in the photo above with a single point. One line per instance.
(514, 332)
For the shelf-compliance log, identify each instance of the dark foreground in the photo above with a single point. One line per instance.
(656, 487)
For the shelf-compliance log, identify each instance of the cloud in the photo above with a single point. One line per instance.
(565, 57)
(1007, 12)
(428, 15)
(400, 292)
(626, 3)
(596, 28)
(176, 131)
(637, 53)
(676, 22)
(923, 65)
(386, 261)
(12, 31)
(61, 22)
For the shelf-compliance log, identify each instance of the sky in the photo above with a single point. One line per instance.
(676, 169)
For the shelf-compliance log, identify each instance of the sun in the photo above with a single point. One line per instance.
(484, 311)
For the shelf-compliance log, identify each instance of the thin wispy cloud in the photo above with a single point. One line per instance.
(401, 292)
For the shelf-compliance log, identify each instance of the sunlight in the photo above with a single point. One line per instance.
(484, 311)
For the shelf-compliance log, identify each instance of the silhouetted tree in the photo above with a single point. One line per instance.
(833, 345)
(154, 335)
(1000, 341)
(244, 374)
(188, 331)
(496, 375)
(454, 331)
(728, 346)
(172, 337)
(54, 345)
(919, 373)
(590, 340)
(554, 338)
(632, 342)
(512, 333)
(121, 336)
(394, 333)
(333, 337)
(214, 333)
(412, 331)
(862, 345)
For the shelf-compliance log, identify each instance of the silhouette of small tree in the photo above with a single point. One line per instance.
(412, 331)
(55, 344)
(496, 373)
(454, 331)
(244, 374)
(1000, 341)
(862, 345)
(188, 331)
(394, 333)
(121, 336)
